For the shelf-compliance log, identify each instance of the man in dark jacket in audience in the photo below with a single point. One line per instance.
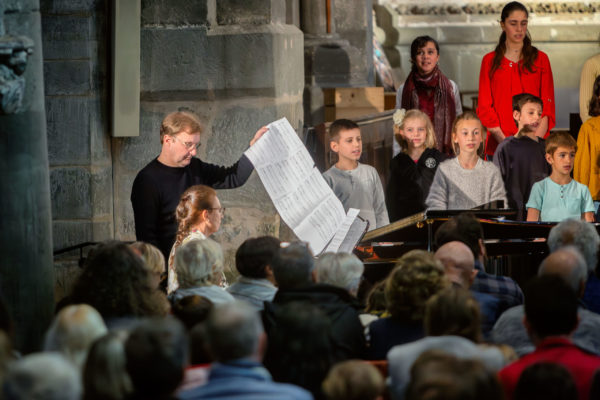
(293, 267)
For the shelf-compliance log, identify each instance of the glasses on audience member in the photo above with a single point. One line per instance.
(188, 145)
(221, 210)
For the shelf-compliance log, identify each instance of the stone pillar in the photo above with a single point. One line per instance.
(26, 274)
(235, 63)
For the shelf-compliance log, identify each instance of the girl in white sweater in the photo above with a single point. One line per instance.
(466, 181)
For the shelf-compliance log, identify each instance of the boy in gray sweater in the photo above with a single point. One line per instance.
(356, 185)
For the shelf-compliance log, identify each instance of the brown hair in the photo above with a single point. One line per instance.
(594, 109)
(353, 380)
(416, 277)
(340, 125)
(193, 201)
(453, 312)
(559, 139)
(528, 51)
(416, 114)
(467, 116)
(179, 121)
(153, 258)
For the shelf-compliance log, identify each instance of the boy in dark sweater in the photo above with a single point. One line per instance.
(522, 158)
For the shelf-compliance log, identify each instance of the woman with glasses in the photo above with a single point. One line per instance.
(198, 216)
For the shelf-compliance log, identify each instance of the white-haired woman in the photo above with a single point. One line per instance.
(340, 269)
(199, 267)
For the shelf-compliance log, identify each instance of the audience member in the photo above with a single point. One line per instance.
(568, 264)
(199, 266)
(156, 355)
(459, 265)
(7, 355)
(191, 310)
(545, 381)
(199, 214)
(256, 283)
(42, 376)
(586, 239)
(104, 375)
(343, 270)
(354, 380)
(73, 331)
(114, 281)
(300, 347)
(440, 376)
(467, 229)
(376, 306)
(237, 342)
(452, 324)
(416, 277)
(550, 319)
(293, 267)
(153, 261)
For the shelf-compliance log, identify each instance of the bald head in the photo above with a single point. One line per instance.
(458, 261)
(568, 264)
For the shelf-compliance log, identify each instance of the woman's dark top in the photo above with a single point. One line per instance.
(385, 333)
(409, 183)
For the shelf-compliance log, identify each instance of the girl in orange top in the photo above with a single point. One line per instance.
(514, 67)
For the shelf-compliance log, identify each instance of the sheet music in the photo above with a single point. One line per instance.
(300, 194)
(337, 240)
(354, 235)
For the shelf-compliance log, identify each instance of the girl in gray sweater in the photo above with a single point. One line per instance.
(466, 181)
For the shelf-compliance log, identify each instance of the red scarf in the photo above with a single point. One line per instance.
(432, 94)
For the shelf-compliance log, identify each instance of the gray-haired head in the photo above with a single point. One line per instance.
(233, 331)
(292, 266)
(580, 234)
(568, 263)
(42, 376)
(73, 332)
(340, 269)
(198, 263)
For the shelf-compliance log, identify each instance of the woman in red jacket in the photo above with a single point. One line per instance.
(514, 67)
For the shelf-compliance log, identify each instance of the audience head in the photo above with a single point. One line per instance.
(199, 352)
(180, 138)
(114, 281)
(467, 128)
(594, 108)
(105, 376)
(550, 308)
(198, 208)
(545, 381)
(420, 46)
(154, 261)
(253, 258)
(580, 234)
(199, 262)
(436, 375)
(568, 264)
(353, 380)
(300, 347)
(293, 266)
(413, 125)
(458, 262)
(156, 354)
(416, 277)
(564, 140)
(376, 299)
(453, 312)
(192, 310)
(234, 331)
(42, 376)
(73, 331)
(463, 228)
(340, 269)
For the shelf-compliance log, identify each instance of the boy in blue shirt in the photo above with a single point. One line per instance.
(559, 196)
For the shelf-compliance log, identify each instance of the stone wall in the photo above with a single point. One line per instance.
(567, 31)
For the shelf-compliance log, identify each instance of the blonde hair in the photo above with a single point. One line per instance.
(198, 263)
(179, 121)
(401, 116)
(353, 380)
(467, 116)
(154, 260)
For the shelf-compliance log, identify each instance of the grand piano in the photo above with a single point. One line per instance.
(514, 248)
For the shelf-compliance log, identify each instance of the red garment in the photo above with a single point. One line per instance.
(494, 106)
(580, 363)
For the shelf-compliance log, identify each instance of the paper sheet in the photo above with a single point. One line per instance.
(300, 194)
(338, 238)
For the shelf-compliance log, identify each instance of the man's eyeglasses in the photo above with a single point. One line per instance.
(188, 145)
(221, 210)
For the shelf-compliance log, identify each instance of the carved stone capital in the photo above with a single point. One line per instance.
(14, 51)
